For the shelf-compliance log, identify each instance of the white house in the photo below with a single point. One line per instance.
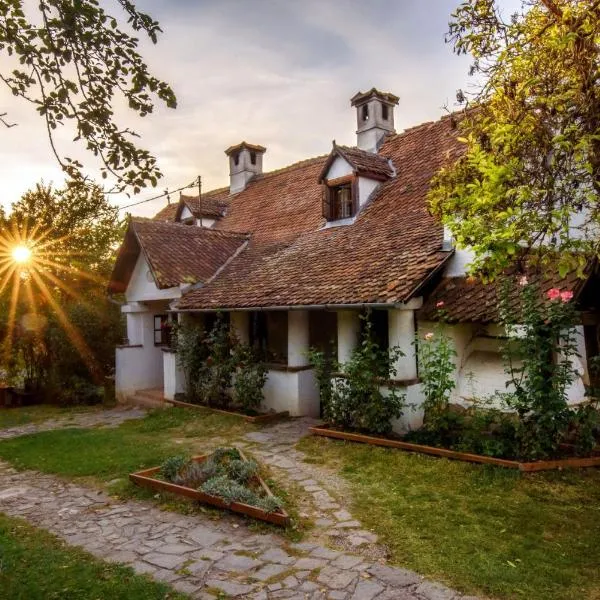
(294, 256)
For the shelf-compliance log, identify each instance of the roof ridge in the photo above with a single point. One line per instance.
(190, 228)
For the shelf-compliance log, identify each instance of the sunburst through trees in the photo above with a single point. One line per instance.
(56, 250)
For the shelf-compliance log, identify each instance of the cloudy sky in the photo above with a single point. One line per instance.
(274, 72)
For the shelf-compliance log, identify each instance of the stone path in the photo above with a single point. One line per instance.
(106, 418)
(203, 557)
(200, 556)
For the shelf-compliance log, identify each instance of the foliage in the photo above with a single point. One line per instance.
(487, 531)
(355, 400)
(172, 466)
(37, 564)
(436, 355)
(72, 61)
(230, 490)
(530, 173)
(218, 369)
(325, 365)
(539, 362)
(250, 378)
(242, 470)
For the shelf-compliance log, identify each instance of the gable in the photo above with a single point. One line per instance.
(142, 285)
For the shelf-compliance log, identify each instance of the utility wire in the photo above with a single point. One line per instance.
(163, 195)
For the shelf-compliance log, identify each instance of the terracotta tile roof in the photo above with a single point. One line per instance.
(363, 162)
(214, 205)
(176, 253)
(393, 246)
(469, 300)
(242, 145)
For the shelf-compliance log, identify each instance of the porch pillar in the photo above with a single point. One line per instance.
(298, 339)
(240, 325)
(348, 328)
(401, 323)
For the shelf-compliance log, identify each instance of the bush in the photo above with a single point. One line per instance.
(354, 401)
(172, 467)
(250, 378)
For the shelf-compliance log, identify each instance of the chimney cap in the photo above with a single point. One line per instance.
(244, 145)
(362, 97)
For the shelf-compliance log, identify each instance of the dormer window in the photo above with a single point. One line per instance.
(340, 200)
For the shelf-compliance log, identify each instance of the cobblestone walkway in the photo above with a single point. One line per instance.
(106, 418)
(201, 556)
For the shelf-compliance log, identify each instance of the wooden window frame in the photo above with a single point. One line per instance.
(164, 328)
(329, 207)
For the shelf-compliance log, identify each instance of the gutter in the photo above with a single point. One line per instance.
(295, 307)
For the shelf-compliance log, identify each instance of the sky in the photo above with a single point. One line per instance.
(279, 73)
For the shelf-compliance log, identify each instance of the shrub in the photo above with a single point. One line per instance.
(354, 400)
(230, 490)
(242, 471)
(270, 503)
(172, 467)
(250, 378)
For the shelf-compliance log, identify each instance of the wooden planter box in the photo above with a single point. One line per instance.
(146, 479)
(264, 418)
(528, 467)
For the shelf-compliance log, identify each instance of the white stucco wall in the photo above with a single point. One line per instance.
(339, 168)
(365, 188)
(142, 286)
(173, 376)
(137, 368)
(458, 263)
(293, 391)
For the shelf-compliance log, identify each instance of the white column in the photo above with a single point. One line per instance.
(173, 376)
(348, 328)
(298, 338)
(240, 326)
(401, 325)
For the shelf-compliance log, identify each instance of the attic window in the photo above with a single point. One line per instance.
(253, 158)
(340, 201)
(385, 113)
(365, 112)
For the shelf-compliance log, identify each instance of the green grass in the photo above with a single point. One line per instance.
(111, 453)
(35, 565)
(480, 529)
(13, 417)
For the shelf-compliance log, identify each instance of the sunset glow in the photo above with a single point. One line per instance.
(21, 254)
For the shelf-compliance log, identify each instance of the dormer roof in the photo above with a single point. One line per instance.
(366, 164)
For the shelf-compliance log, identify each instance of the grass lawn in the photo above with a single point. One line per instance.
(480, 529)
(12, 417)
(35, 565)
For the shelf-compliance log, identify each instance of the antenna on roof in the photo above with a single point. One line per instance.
(200, 197)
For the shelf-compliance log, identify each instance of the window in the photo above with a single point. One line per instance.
(253, 157)
(269, 334)
(236, 159)
(322, 331)
(384, 112)
(365, 112)
(340, 201)
(162, 330)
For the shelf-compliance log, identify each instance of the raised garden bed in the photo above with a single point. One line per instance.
(260, 418)
(149, 478)
(528, 467)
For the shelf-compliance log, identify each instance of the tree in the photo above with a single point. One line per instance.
(57, 326)
(70, 59)
(528, 182)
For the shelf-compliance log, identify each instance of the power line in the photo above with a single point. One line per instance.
(163, 195)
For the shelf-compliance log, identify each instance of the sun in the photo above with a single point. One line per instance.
(21, 254)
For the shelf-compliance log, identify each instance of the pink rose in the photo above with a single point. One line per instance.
(523, 281)
(566, 295)
(553, 294)
(440, 304)
(429, 336)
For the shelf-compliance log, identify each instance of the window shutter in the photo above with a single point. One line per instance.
(355, 196)
(326, 202)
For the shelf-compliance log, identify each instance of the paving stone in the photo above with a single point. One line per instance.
(342, 515)
(394, 576)
(323, 522)
(277, 555)
(336, 579)
(366, 590)
(290, 582)
(234, 562)
(235, 590)
(347, 525)
(205, 536)
(269, 571)
(308, 586)
(337, 595)
(186, 586)
(273, 587)
(326, 553)
(176, 549)
(198, 568)
(435, 591)
(257, 436)
(143, 568)
(346, 561)
(310, 563)
(166, 561)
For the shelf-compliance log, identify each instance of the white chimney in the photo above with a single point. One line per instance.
(374, 118)
(245, 161)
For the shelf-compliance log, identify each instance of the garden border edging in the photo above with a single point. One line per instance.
(526, 467)
(265, 418)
